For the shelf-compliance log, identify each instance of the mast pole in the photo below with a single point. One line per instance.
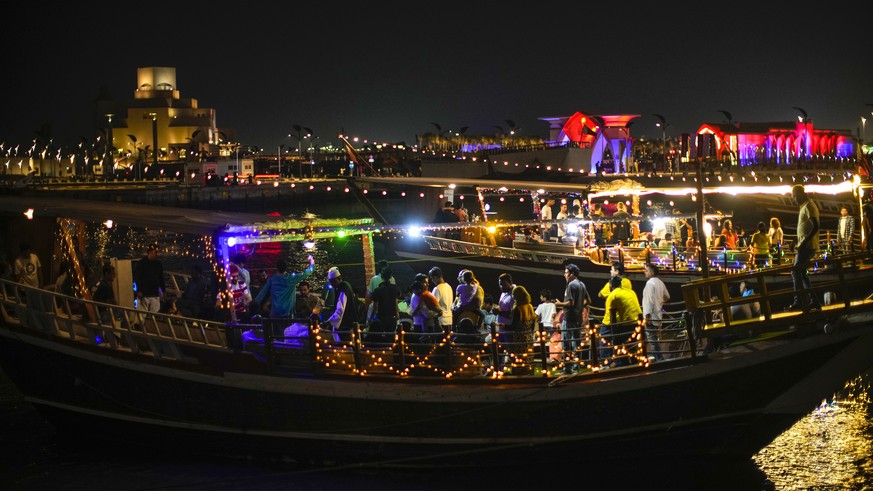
(701, 236)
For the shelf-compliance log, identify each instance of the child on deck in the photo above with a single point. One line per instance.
(546, 312)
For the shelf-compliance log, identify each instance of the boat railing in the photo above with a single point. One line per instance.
(490, 351)
(302, 344)
(305, 345)
(484, 250)
(675, 258)
(111, 326)
(714, 311)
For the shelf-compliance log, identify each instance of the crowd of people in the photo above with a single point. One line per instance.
(765, 242)
(433, 305)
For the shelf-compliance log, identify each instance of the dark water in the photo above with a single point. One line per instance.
(829, 449)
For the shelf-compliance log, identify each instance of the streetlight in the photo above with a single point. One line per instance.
(662, 123)
(279, 158)
(312, 148)
(300, 129)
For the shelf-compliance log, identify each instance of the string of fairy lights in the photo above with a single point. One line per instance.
(448, 358)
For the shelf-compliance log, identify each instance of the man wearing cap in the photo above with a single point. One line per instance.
(340, 322)
(239, 292)
(149, 278)
(281, 287)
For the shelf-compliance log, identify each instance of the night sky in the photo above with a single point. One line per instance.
(386, 74)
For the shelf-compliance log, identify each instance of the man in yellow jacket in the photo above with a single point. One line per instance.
(622, 306)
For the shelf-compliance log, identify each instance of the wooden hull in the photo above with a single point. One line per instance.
(732, 404)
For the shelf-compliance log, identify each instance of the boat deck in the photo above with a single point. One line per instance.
(284, 346)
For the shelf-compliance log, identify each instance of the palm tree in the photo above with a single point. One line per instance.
(439, 128)
(137, 161)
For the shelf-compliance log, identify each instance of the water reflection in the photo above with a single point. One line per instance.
(829, 448)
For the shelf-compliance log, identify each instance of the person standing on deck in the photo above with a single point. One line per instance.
(655, 295)
(192, 302)
(469, 295)
(239, 294)
(546, 314)
(730, 234)
(807, 246)
(776, 234)
(385, 309)
(444, 295)
(621, 227)
(562, 217)
(344, 316)
(27, 269)
(622, 306)
(104, 293)
(424, 308)
(846, 230)
(307, 303)
(281, 287)
(546, 218)
(520, 330)
(240, 261)
(503, 309)
(575, 306)
(375, 281)
(461, 211)
(149, 279)
(760, 246)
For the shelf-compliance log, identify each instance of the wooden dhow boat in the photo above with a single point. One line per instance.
(721, 386)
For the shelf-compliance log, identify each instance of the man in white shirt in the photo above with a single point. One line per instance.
(655, 295)
(444, 294)
(27, 268)
(546, 216)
